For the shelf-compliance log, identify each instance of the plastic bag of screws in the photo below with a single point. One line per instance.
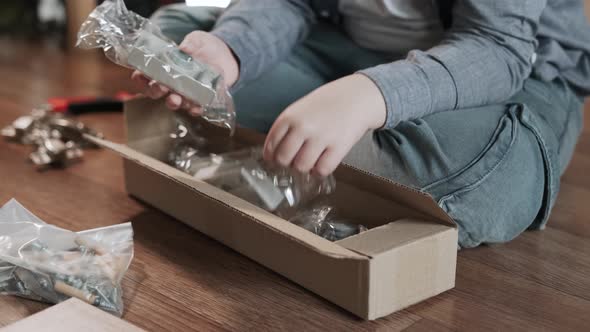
(323, 221)
(42, 262)
(58, 140)
(133, 41)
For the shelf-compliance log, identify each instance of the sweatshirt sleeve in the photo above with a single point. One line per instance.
(484, 58)
(263, 32)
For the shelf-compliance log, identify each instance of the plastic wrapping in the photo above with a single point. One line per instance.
(245, 174)
(135, 42)
(187, 143)
(291, 195)
(46, 263)
(324, 222)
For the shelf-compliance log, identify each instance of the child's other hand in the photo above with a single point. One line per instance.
(204, 47)
(316, 132)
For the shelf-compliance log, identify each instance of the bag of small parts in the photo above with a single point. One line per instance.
(42, 262)
(135, 42)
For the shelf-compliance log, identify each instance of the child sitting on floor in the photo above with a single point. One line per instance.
(477, 102)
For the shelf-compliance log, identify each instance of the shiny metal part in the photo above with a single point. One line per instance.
(19, 129)
(169, 66)
(58, 139)
(54, 152)
(37, 285)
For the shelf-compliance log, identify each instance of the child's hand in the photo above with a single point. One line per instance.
(204, 47)
(316, 132)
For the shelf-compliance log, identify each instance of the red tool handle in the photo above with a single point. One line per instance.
(62, 105)
(90, 103)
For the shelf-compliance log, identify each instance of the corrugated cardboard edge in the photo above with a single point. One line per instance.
(422, 201)
(72, 315)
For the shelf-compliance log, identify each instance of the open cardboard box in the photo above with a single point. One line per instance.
(407, 255)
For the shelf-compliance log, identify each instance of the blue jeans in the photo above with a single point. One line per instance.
(494, 169)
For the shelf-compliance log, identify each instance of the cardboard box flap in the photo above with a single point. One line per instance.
(388, 189)
(258, 215)
(149, 123)
(230, 201)
(129, 153)
(72, 315)
(410, 269)
(393, 235)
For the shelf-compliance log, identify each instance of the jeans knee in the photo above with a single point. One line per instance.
(178, 20)
(507, 198)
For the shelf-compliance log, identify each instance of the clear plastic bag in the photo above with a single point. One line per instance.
(245, 174)
(187, 143)
(135, 42)
(323, 221)
(46, 263)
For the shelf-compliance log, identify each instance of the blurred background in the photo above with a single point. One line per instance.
(57, 19)
(39, 58)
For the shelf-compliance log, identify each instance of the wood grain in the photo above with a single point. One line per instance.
(182, 280)
(426, 325)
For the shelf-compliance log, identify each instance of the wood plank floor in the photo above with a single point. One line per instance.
(182, 280)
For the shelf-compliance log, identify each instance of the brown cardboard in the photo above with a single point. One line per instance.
(398, 275)
(72, 315)
(408, 255)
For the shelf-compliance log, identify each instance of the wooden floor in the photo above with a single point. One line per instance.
(182, 280)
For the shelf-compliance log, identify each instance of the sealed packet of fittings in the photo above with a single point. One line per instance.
(42, 262)
(133, 41)
(323, 221)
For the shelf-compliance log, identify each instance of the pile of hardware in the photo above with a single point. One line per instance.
(58, 140)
